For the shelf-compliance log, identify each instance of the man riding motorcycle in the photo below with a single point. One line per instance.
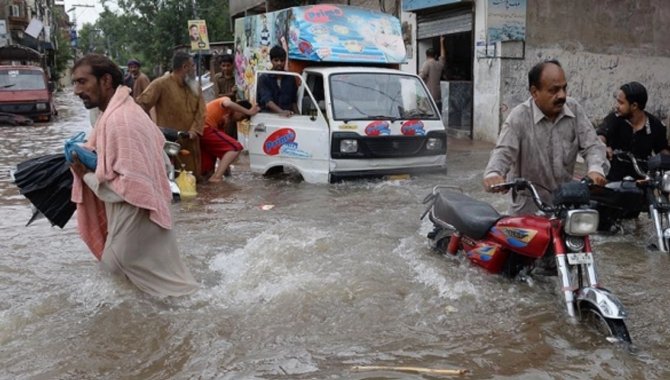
(541, 138)
(631, 129)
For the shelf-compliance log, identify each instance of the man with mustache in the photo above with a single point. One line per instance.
(179, 104)
(123, 206)
(541, 137)
(632, 129)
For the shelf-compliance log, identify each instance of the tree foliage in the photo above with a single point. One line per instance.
(150, 30)
(63, 51)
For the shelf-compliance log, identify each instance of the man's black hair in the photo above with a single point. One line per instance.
(245, 103)
(101, 65)
(277, 52)
(430, 52)
(179, 59)
(535, 73)
(635, 93)
(226, 58)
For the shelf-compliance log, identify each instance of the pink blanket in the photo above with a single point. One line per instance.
(130, 161)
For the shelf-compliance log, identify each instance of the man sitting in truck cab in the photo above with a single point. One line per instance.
(278, 93)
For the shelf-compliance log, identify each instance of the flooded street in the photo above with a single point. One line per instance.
(329, 278)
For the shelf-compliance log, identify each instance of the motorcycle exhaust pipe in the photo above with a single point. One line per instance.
(660, 235)
(454, 243)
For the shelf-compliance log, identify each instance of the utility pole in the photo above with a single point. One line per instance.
(74, 21)
(197, 67)
(74, 15)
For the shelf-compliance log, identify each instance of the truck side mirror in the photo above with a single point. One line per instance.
(51, 86)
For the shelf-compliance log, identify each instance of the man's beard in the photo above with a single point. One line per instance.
(193, 84)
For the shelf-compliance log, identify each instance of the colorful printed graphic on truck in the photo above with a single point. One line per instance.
(413, 128)
(282, 142)
(378, 128)
(318, 33)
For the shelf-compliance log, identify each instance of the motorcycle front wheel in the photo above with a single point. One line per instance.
(615, 328)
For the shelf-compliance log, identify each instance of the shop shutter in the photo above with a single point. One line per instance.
(433, 24)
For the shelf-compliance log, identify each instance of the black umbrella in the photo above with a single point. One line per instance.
(47, 183)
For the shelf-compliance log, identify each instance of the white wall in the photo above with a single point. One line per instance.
(592, 79)
(410, 66)
(486, 76)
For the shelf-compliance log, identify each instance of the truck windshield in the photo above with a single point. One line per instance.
(21, 79)
(372, 96)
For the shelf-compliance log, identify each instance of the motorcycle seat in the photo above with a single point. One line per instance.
(469, 216)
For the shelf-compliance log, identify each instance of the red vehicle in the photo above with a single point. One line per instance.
(522, 246)
(25, 90)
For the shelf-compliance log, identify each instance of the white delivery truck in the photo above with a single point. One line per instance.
(358, 114)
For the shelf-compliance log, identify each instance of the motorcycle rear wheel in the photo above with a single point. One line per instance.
(615, 328)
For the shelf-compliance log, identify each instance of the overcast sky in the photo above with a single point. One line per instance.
(83, 14)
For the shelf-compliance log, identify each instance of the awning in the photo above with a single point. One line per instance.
(19, 53)
(414, 5)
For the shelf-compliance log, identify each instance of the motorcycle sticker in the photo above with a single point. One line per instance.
(516, 237)
(484, 252)
(378, 128)
(413, 128)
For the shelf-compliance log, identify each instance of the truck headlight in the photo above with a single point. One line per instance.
(581, 222)
(41, 106)
(666, 182)
(433, 143)
(349, 146)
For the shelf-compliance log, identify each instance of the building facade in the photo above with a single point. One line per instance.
(600, 44)
(29, 24)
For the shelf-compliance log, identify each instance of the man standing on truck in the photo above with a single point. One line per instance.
(179, 105)
(431, 72)
(278, 93)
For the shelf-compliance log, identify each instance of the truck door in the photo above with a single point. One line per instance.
(301, 141)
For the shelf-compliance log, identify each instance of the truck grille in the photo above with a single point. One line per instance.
(387, 146)
(17, 108)
(393, 146)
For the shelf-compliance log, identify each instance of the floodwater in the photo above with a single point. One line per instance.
(329, 278)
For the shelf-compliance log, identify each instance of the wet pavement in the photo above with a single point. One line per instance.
(303, 281)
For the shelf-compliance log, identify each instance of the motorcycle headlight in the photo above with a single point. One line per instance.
(581, 222)
(666, 182)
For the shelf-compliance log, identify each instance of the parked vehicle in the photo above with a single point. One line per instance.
(358, 114)
(648, 193)
(171, 148)
(25, 90)
(522, 245)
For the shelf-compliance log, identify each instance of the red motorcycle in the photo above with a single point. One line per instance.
(556, 241)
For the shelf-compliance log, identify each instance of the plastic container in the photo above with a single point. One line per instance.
(186, 184)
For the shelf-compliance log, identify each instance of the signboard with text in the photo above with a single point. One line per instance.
(506, 20)
(197, 33)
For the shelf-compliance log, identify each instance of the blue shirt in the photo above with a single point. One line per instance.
(269, 90)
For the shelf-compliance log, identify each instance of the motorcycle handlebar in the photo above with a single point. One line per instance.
(622, 155)
(522, 184)
(173, 135)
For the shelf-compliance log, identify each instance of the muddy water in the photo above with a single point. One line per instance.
(321, 279)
